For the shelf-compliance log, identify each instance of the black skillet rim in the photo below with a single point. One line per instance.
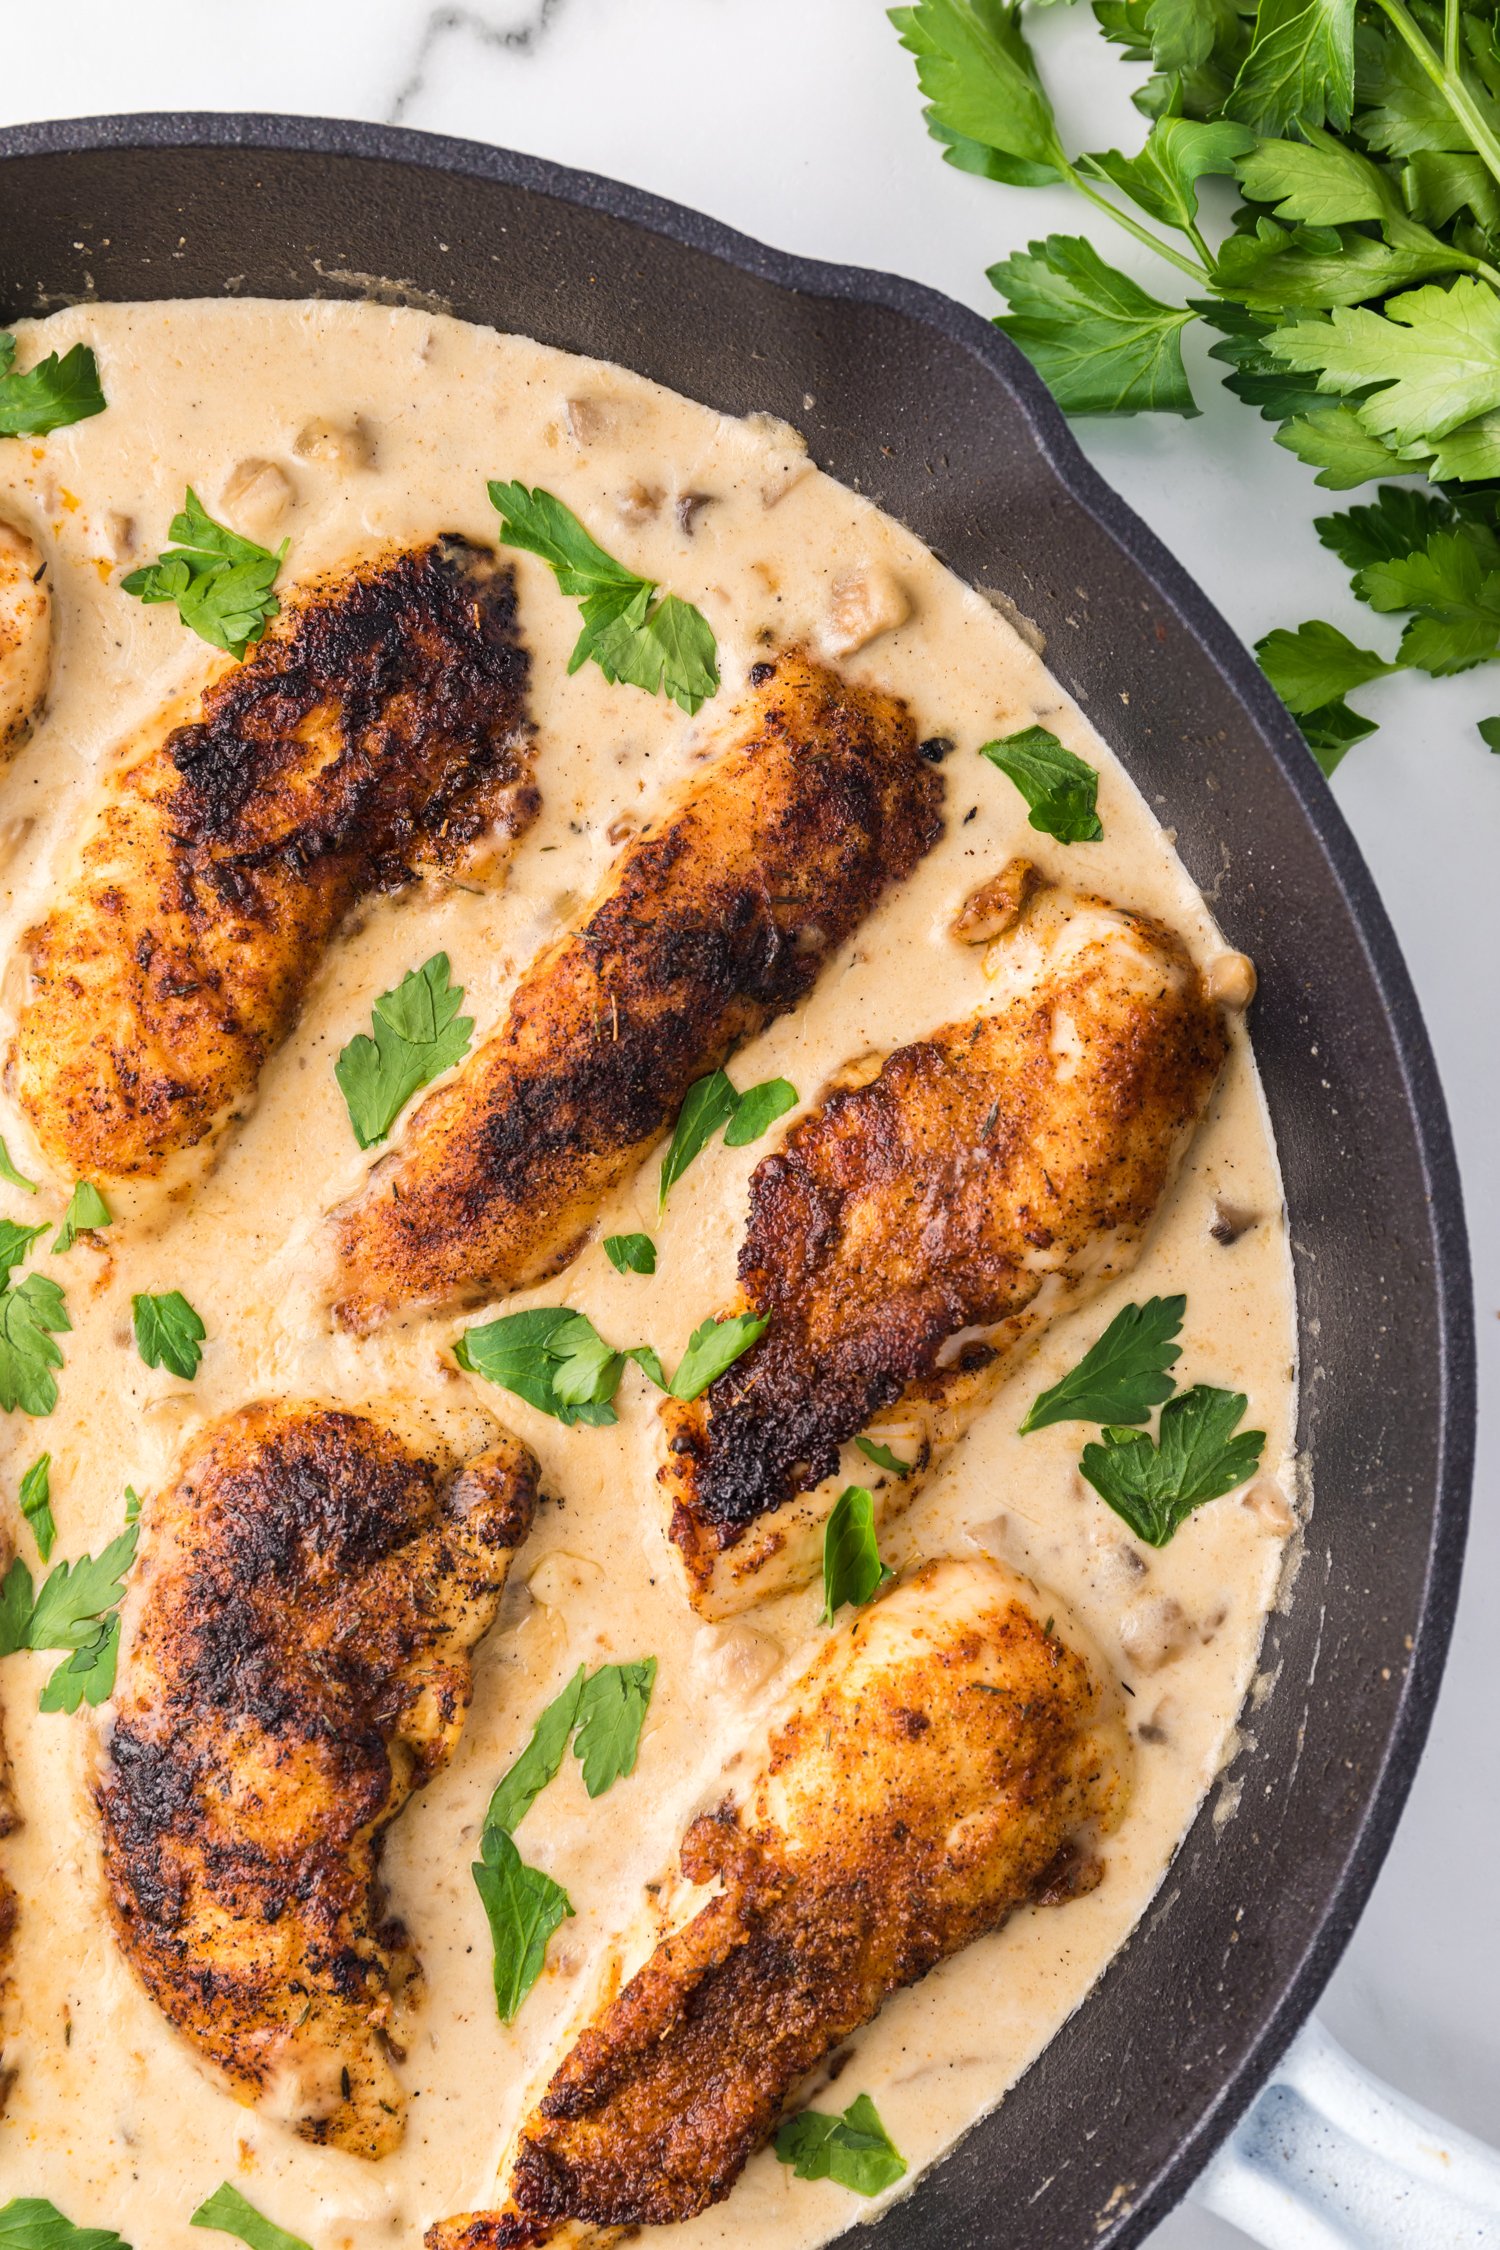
(1421, 1089)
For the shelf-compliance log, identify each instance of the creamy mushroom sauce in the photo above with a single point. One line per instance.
(380, 425)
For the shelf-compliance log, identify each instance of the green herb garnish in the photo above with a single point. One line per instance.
(540, 1761)
(883, 1457)
(523, 1906)
(36, 1505)
(855, 2150)
(228, 2212)
(713, 1347)
(1059, 787)
(608, 1708)
(555, 1359)
(418, 1033)
(74, 1596)
(631, 630)
(168, 1333)
(31, 1314)
(30, 2222)
(88, 1675)
(8, 1171)
(47, 397)
(612, 1707)
(86, 1209)
(15, 1246)
(1199, 1454)
(708, 1103)
(630, 1253)
(853, 1572)
(73, 1610)
(714, 1101)
(220, 582)
(757, 1109)
(558, 1362)
(1123, 1375)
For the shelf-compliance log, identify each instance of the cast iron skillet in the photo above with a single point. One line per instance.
(923, 405)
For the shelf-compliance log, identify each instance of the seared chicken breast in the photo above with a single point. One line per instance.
(920, 1226)
(378, 732)
(715, 919)
(946, 1759)
(25, 635)
(294, 1662)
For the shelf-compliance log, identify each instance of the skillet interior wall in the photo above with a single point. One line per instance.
(934, 420)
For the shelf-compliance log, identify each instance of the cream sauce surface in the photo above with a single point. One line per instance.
(109, 2113)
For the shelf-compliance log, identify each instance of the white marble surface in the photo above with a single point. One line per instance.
(797, 121)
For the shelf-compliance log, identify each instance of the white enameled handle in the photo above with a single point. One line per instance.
(1329, 2158)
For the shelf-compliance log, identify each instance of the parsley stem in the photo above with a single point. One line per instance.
(1446, 76)
(1190, 266)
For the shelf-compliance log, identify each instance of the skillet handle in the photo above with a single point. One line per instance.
(1329, 2158)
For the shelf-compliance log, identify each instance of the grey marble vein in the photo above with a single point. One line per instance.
(443, 24)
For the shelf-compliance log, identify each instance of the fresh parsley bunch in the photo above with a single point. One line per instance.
(1356, 297)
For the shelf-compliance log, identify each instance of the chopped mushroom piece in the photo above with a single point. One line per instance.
(13, 834)
(993, 909)
(1230, 978)
(864, 605)
(596, 420)
(786, 460)
(1116, 1565)
(638, 503)
(686, 509)
(336, 445)
(1153, 1630)
(256, 496)
(1266, 1499)
(1231, 1220)
(740, 1659)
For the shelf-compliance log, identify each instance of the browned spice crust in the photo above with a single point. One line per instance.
(377, 732)
(712, 922)
(295, 1663)
(936, 1199)
(906, 1808)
